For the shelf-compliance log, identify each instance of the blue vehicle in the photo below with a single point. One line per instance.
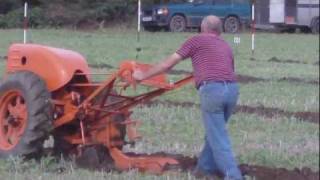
(178, 16)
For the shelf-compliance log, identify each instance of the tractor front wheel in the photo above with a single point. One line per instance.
(25, 115)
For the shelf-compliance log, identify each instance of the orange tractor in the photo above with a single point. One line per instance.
(49, 92)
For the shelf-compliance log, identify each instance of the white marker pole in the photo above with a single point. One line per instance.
(139, 15)
(25, 23)
(253, 28)
(138, 49)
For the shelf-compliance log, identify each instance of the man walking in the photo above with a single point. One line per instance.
(213, 68)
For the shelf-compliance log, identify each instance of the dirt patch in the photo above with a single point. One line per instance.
(253, 59)
(244, 79)
(97, 159)
(275, 59)
(298, 80)
(269, 112)
(268, 173)
(273, 112)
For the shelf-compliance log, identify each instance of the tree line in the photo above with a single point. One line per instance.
(72, 13)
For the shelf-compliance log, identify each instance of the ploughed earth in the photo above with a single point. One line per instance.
(96, 158)
(269, 112)
(290, 61)
(244, 79)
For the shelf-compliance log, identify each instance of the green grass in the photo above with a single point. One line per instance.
(275, 142)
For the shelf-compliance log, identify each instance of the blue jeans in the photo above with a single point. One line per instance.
(218, 99)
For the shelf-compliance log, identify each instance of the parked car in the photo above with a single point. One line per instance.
(178, 16)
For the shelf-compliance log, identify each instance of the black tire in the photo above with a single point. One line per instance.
(305, 29)
(177, 24)
(36, 99)
(289, 30)
(315, 26)
(231, 24)
(151, 28)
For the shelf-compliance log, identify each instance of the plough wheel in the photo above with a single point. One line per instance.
(25, 115)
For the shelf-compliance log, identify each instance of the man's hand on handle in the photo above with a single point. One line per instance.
(138, 75)
(159, 68)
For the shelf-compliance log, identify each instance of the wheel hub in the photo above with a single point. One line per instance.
(13, 119)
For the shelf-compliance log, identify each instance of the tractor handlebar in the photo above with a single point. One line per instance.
(159, 81)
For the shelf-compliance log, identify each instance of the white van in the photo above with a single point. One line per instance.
(288, 14)
(295, 13)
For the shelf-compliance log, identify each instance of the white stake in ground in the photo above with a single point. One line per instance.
(138, 49)
(236, 42)
(139, 15)
(25, 22)
(253, 28)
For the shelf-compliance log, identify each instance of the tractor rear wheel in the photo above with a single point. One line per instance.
(25, 115)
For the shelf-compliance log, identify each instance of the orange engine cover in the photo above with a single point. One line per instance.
(55, 66)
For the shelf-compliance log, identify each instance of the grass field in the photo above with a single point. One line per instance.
(276, 141)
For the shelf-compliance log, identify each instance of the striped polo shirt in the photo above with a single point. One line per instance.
(212, 58)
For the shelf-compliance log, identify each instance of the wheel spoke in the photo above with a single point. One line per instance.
(11, 109)
(21, 112)
(8, 134)
(5, 122)
(18, 110)
(18, 101)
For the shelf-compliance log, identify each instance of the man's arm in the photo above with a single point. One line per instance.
(161, 67)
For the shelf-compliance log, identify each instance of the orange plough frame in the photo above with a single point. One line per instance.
(104, 129)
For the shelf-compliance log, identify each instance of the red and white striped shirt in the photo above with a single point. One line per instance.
(212, 58)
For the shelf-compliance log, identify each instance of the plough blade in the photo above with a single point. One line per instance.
(144, 163)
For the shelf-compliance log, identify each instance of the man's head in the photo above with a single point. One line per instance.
(211, 24)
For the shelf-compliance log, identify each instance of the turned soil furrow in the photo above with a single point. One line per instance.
(97, 159)
(269, 112)
(243, 79)
(284, 61)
